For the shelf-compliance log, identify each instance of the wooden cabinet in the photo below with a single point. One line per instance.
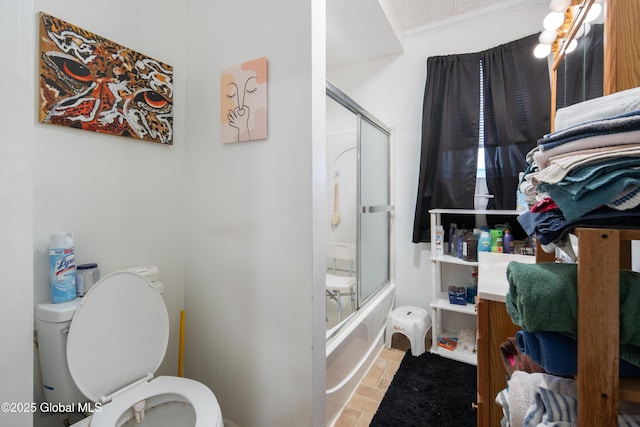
(599, 386)
(494, 327)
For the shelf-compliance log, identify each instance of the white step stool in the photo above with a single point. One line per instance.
(412, 322)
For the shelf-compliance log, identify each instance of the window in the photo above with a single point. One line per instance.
(482, 113)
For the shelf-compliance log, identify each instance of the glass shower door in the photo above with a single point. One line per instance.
(358, 179)
(374, 213)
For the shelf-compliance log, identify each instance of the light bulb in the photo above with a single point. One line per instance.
(547, 36)
(593, 13)
(559, 5)
(572, 46)
(542, 50)
(553, 21)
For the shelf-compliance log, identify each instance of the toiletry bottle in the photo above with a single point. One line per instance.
(507, 238)
(469, 247)
(452, 233)
(496, 239)
(454, 243)
(62, 267)
(484, 245)
(87, 275)
(476, 235)
(439, 242)
(472, 289)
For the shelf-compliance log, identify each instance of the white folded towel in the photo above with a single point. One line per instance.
(632, 138)
(524, 386)
(599, 108)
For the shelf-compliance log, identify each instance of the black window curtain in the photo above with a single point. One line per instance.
(450, 126)
(516, 109)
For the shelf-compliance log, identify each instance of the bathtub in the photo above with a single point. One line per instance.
(352, 349)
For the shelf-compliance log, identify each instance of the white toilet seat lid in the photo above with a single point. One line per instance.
(118, 335)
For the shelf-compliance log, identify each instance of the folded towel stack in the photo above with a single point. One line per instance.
(590, 164)
(558, 353)
(543, 297)
(540, 399)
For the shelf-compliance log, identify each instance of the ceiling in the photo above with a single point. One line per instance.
(360, 30)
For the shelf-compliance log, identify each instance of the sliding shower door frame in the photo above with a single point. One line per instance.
(364, 209)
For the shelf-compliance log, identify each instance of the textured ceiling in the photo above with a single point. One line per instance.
(359, 30)
(416, 16)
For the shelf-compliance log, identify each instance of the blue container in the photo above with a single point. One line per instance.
(457, 295)
(62, 263)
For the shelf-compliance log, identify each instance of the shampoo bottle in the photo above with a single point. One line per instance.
(484, 245)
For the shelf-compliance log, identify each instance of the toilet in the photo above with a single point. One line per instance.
(116, 338)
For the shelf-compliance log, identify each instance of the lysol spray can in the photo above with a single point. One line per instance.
(62, 262)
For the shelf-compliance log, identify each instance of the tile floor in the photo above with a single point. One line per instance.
(364, 402)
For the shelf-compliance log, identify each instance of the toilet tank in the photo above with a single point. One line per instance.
(52, 326)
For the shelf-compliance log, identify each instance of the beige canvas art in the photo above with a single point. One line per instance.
(243, 101)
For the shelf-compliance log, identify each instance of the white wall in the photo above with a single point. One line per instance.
(123, 198)
(16, 207)
(253, 294)
(246, 217)
(392, 89)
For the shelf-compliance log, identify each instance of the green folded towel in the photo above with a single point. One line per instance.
(543, 297)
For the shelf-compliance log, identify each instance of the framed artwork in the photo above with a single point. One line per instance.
(243, 90)
(91, 83)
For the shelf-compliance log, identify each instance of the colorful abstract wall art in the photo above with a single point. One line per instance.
(91, 83)
(243, 102)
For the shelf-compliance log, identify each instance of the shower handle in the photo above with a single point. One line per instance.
(377, 209)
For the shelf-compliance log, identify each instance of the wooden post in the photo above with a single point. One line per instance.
(598, 344)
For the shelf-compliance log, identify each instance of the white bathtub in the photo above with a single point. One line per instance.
(353, 348)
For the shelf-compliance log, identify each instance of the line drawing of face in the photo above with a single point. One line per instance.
(244, 102)
(238, 117)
